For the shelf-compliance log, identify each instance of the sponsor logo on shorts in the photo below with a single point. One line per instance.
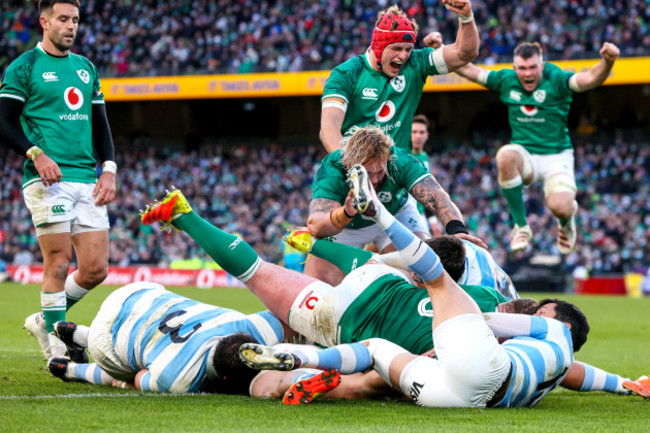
(416, 389)
(369, 93)
(48, 77)
(84, 75)
(58, 209)
(398, 83)
(305, 299)
(234, 244)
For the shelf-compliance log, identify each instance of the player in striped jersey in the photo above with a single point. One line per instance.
(165, 342)
(471, 369)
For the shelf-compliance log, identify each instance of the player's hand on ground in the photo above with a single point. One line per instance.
(48, 169)
(472, 239)
(458, 7)
(433, 40)
(105, 188)
(609, 52)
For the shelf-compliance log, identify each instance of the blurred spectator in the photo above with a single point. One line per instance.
(150, 37)
(258, 191)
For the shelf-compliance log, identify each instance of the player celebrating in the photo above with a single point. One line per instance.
(538, 95)
(51, 111)
(383, 86)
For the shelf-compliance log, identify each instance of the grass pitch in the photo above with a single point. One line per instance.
(32, 400)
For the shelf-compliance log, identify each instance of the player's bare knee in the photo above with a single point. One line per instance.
(93, 274)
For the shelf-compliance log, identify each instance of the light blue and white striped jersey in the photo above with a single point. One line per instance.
(482, 270)
(540, 361)
(172, 336)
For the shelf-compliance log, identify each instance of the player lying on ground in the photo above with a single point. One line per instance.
(374, 301)
(148, 338)
(472, 369)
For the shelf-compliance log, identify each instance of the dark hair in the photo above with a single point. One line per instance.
(233, 376)
(526, 50)
(421, 118)
(569, 313)
(47, 4)
(525, 306)
(451, 251)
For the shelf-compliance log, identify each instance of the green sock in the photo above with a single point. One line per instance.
(231, 252)
(513, 191)
(344, 257)
(53, 305)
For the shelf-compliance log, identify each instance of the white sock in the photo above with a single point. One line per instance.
(80, 335)
(73, 291)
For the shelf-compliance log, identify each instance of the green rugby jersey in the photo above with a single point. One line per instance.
(424, 159)
(400, 312)
(58, 93)
(374, 98)
(404, 171)
(538, 119)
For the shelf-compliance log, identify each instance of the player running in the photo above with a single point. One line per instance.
(538, 95)
(383, 86)
(52, 111)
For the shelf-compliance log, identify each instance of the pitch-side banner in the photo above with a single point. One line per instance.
(121, 276)
(311, 83)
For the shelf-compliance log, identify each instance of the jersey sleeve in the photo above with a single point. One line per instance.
(147, 383)
(339, 85)
(428, 61)
(98, 96)
(495, 79)
(409, 170)
(15, 83)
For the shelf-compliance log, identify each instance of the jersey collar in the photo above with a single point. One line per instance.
(39, 46)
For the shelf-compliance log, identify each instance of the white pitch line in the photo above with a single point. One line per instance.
(97, 394)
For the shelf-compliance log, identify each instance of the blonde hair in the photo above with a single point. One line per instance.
(366, 144)
(395, 10)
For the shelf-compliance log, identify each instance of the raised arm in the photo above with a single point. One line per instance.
(473, 73)
(465, 49)
(597, 75)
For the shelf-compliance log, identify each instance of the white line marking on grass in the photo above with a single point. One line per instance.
(96, 394)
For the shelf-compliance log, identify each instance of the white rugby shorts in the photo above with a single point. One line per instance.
(69, 205)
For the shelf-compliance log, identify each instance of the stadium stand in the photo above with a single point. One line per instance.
(256, 190)
(125, 38)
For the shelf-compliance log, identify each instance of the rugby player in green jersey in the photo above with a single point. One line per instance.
(538, 95)
(383, 86)
(51, 111)
(419, 137)
(394, 174)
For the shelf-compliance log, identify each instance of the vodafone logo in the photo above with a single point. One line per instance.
(73, 98)
(528, 110)
(385, 112)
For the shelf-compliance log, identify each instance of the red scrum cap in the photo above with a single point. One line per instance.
(384, 35)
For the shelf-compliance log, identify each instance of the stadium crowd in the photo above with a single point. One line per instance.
(259, 191)
(126, 38)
